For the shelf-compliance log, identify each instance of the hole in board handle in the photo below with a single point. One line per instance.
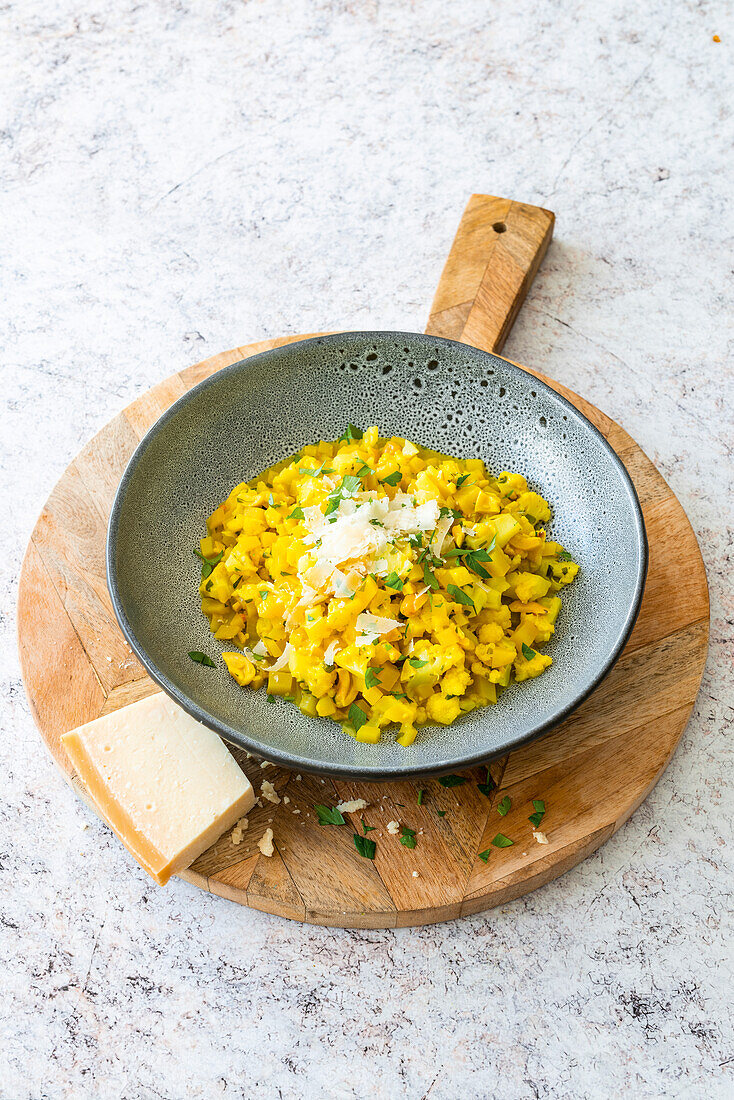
(499, 227)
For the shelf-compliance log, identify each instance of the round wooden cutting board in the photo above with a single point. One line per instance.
(591, 772)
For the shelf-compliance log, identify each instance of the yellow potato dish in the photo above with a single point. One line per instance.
(381, 584)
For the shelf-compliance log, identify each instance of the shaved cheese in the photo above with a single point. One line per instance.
(331, 652)
(282, 661)
(439, 535)
(260, 649)
(372, 626)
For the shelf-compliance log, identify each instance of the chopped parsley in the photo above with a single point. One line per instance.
(297, 513)
(415, 662)
(502, 841)
(357, 717)
(365, 846)
(392, 479)
(456, 513)
(539, 807)
(367, 828)
(372, 677)
(441, 813)
(314, 473)
(459, 596)
(407, 837)
(349, 485)
(207, 564)
(328, 816)
(392, 580)
(377, 523)
(363, 471)
(201, 659)
(488, 785)
(564, 556)
(237, 582)
(420, 796)
(527, 652)
(484, 856)
(504, 806)
(452, 780)
(352, 432)
(460, 480)
(429, 578)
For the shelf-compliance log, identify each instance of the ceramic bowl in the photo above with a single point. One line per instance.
(442, 394)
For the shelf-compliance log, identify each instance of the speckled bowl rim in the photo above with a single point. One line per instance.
(339, 771)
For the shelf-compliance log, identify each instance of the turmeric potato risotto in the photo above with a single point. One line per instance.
(378, 583)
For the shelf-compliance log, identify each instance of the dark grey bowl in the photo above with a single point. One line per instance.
(442, 394)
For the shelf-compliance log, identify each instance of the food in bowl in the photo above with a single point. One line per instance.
(378, 583)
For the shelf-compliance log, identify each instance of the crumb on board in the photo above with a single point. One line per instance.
(393, 828)
(540, 836)
(415, 874)
(352, 806)
(265, 843)
(286, 799)
(268, 791)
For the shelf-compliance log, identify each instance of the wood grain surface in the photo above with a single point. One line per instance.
(592, 771)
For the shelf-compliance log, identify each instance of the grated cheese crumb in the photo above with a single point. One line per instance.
(393, 827)
(352, 806)
(268, 791)
(265, 843)
(286, 799)
(415, 874)
(540, 836)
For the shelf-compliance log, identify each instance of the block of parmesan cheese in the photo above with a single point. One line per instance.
(167, 785)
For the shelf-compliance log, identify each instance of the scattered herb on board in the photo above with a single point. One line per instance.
(484, 856)
(420, 797)
(392, 479)
(539, 807)
(365, 846)
(328, 816)
(367, 828)
(502, 841)
(407, 837)
(441, 813)
(487, 786)
(503, 807)
(207, 564)
(527, 652)
(452, 780)
(201, 659)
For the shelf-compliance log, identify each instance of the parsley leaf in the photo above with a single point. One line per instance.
(392, 580)
(207, 564)
(527, 652)
(452, 780)
(429, 578)
(484, 856)
(367, 828)
(363, 471)
(441, 813)
(539, 807)
(420, 796)
(460, 480)
(328, 816)
(357, 717)
(407, 837)
(564, 556)
(459, 596)
(502, 841)
(352, 432)
(377, 523)
(372, 677)
(455, 512)
(488, 785)
(392, 479)
(415, 662)
(504, 806)
(201, 659)
(314, 473)
(365, 846)
(297, 513)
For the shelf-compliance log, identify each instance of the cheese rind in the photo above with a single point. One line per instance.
(166, 784)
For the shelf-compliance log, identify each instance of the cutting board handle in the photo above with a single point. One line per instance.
(494, 258)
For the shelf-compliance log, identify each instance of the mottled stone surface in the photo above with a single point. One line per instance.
(179, 178)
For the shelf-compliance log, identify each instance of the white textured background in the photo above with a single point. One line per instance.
(179, 178)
